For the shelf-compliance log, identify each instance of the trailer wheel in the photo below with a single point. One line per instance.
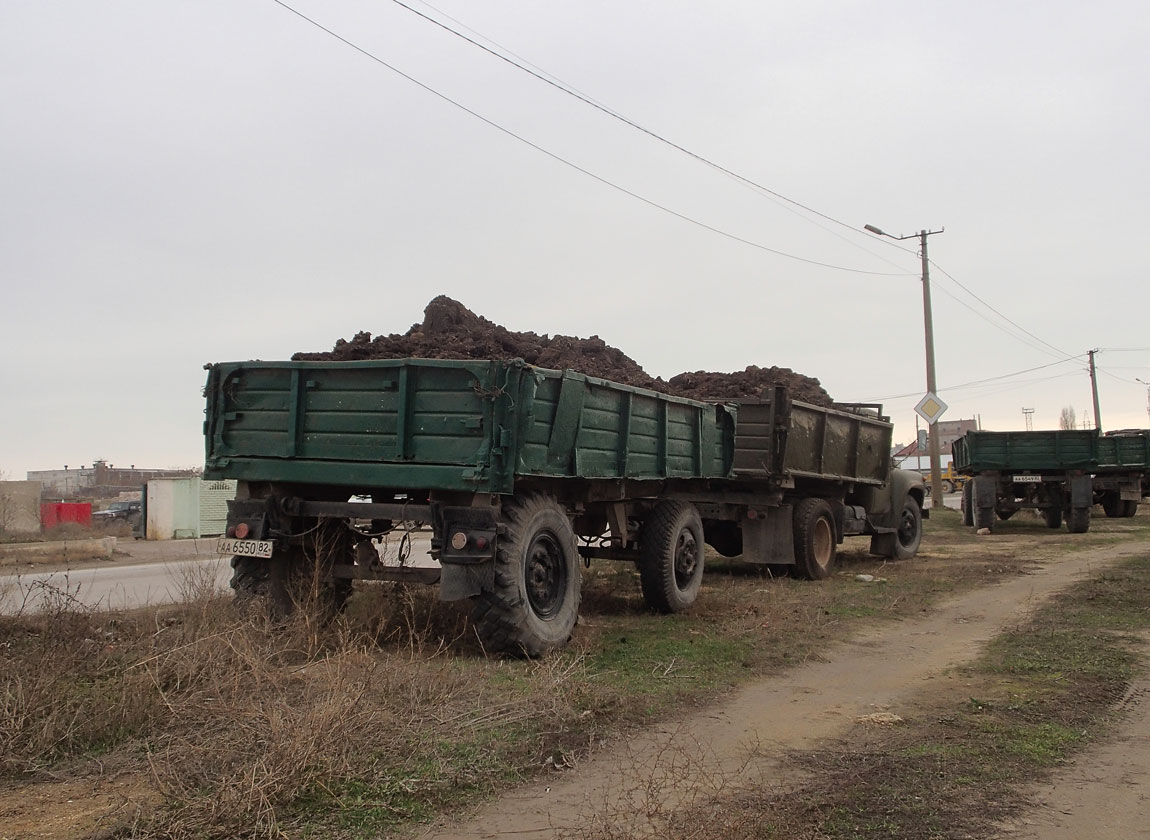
(815, 543)
(1112, 504)
(249, 578)
(909, 534)
(967, 504)
(534, 604)
(1052, 516)
(1131, 508)
(671, 557)
(1078, 522)
(301, 577)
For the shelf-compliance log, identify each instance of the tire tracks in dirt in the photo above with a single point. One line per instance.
(877, 670)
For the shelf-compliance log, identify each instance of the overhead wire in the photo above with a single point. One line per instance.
(510, 57)
(559, 159)
(1010, 321)
(570, 90)
(979, 381)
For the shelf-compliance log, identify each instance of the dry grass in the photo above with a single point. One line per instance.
(391, 713)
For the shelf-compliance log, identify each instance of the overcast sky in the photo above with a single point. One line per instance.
(197, 180)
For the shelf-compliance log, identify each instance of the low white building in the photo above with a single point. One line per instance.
(186, 508)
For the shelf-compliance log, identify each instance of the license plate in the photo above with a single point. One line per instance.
(1028, 479)
(245, 548)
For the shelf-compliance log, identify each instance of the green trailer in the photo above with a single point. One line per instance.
(1048, 471)
(524, 473)
(1122, 476)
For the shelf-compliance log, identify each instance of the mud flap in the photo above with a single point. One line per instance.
(458, 581)
(1081, 491)
(769, 537)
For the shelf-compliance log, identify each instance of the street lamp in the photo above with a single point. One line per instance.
(931, 386)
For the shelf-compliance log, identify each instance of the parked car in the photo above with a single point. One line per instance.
(118, 512)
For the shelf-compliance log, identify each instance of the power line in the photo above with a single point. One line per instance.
(979, 381)
(1013, 323)
(572, 165)
(559, 84)
(998, 326)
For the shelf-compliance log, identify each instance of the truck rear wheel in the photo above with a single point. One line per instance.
(671, 557)
(815, 543)
(1131, 508)
(1078, 522)
(534, 604)
(1052, 516)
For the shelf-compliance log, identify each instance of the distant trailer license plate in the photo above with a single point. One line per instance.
(245, 548)
(1028, 478)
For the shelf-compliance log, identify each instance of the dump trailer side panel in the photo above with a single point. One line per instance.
(450, 426)
(1127, 450)
(1037, 452)
(782, 439)
(579, 426)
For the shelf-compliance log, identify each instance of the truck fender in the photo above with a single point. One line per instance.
(887, 501)
(888, 504)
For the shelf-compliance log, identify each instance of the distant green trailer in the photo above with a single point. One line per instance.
(523, 473)
(1048, 471)
(1122, 476)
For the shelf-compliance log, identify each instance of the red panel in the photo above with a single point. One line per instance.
(56, 513)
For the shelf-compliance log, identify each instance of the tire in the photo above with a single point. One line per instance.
(299, 577)
(1052, 516)
(1112, 504)
(1131, 508)
(671, 557)
(534, 603)
(909, 534)
(968, 504)
(947, 486)
(1078, 522)
(1004, 513)
(262, 584)
(815, 542)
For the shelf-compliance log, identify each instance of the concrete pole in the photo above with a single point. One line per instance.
(1094, 391)
(928, 320)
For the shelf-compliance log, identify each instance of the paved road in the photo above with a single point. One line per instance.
(155, 573)
(162, 573)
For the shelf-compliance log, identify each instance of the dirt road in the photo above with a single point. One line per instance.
(879, 671)
(1105, 792)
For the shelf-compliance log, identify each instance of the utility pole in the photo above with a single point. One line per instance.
(931, 386)
(1094, 390)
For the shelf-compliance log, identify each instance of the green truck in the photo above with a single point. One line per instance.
(1061, 474)
(524, 474)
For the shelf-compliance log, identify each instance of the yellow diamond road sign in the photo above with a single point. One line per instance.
(930, 408)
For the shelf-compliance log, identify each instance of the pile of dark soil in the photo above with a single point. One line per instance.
(452, 331)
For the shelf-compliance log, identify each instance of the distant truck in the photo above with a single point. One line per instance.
(525, 474)
(1061, 474)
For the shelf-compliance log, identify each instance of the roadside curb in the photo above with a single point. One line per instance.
(96, 547)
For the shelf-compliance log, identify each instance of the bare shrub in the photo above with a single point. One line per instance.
(64, 685)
